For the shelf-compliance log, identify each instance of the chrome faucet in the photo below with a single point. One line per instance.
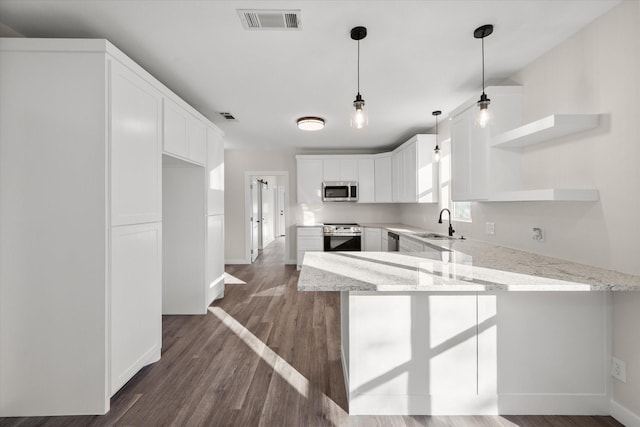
(451, 230)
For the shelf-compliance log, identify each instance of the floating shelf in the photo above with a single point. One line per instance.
(548, 194)
(548, 128)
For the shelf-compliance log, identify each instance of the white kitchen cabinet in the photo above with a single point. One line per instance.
(343, 168)
(475, 169)
(185, 136)
(384, 240)
(136, 333)
(383, 179)
(136, 176)
(415, 173)
(372, 240)
(215, 168)
(197, 140)
(86, 211)
(309, 179)
(409, 245)
(215, 258)
(308, 239)
(366, 180)
(176, 129)
(397, 178)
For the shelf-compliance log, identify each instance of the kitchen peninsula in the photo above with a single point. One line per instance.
(470, 328)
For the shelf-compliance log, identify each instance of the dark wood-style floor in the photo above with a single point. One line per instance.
(265, 355)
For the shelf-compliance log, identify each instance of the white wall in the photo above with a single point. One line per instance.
(595, 71)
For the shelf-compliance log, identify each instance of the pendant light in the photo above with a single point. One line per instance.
(483, 115)
(359, 117)
(436, 156)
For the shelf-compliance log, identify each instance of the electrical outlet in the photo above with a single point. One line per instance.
(537, 235)
(491, 228)
(618, 369)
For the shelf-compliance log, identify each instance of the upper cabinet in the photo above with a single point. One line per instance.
(383, 178)
(309, 179)
(486, 163)
(185, 136)
(136, 170)
(414, 171)
(407, 175)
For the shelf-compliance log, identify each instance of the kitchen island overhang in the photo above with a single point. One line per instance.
(443, 333)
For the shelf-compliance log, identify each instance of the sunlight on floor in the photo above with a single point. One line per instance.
(272, 292)
(279, 365)
(232, 280)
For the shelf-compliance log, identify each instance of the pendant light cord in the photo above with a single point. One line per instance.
(359, 67)
(482, 64)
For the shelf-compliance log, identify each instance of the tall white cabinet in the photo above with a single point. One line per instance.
(81, 219)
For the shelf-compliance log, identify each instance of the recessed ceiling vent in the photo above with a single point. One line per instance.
(228, 117)
(260, 19)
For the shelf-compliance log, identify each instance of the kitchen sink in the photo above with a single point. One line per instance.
(433, 236)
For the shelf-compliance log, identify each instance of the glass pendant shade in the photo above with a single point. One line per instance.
(436, 155)
(359, 116)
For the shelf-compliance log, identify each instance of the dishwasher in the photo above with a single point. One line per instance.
(393, 242)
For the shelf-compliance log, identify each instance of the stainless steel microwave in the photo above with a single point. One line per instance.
(339, 191)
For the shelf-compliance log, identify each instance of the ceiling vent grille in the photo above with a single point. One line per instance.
(227, 116)
(254, 19)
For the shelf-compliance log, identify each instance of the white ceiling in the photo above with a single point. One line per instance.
(419, 56)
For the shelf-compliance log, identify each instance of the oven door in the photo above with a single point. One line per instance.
(342, 243)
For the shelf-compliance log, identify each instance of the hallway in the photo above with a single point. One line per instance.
(264, 355)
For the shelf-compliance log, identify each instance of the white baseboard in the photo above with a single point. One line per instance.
(291, 262)
(521, 404)
(623, 415)
(236, 261)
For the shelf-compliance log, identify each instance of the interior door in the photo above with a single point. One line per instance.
(255, 223)
(281, 220)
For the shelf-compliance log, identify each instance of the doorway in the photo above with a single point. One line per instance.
(266, 212)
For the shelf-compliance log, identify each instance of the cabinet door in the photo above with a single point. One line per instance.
(372, 239)
(468, 159)
(366, 181)
(383, 180)
(136, 289)
(428, 180)
(309, 180)
(175, 129)
(197, 135)
(308, 239)
(331, 169)
(136, 170)
(215, 168)
(410, 174)
(349, 169)
(397, 180)
(215, 257)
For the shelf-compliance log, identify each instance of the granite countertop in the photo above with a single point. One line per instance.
(455, 265)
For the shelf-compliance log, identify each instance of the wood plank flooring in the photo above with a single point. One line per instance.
(265, 355)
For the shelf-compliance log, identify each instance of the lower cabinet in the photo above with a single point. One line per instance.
(372, 240)
(136, 283)
(409, 245)
(215, 257)
(308, 239)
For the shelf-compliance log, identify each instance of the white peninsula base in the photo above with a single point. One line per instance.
(464, 353)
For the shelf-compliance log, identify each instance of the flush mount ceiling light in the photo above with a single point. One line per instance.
(359, 117)
(310, 123)
(483, 115)
(436, 156)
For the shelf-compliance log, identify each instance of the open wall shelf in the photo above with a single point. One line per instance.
(546, 129)
(548, 194)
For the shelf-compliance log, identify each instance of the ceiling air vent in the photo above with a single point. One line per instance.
(228, 117)
(255, 19)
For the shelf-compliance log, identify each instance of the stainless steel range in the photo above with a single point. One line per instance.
(342, 237)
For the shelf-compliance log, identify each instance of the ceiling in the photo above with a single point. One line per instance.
(418, 56)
